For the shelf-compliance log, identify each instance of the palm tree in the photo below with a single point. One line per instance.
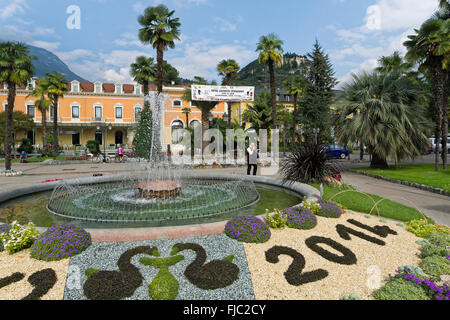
(42, 103)
(259, 114)
(186, 112)
(16, 68)
(271, 53)
(204, 106)
(430, 48)
(228, 69)
(394, 62)
(143, 71)
(160, 30)
(383, 111)
(57, 87)
(295, 86)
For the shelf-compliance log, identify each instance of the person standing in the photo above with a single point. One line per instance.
(252, 159)
(120, 152)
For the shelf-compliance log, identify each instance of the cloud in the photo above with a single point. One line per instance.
(51, 46)
(201, 58)
(389, 15)
(14, 7)
(225, 25)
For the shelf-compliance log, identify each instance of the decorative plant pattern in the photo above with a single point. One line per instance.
(213, 275)
(294, 275)
(116, 285)
(42, 281)
(164, 286)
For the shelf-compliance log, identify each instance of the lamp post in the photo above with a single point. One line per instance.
(316, 131)
(104, 128)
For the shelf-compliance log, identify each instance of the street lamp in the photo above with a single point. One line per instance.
(105, 127)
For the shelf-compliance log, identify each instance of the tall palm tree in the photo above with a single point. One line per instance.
(295, 86)
(430, 48)
(160, 30)
(271, 54)
(16, 68)
(57, 87)
(384, 111)
(42, 104)
(186, 112)
(228, 69)
(204, 106)
(143, 71)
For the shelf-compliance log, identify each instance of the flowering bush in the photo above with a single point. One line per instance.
(436, 265)
(248, 229)
(423, 229)
(435, 244)
(60, 242)
(328, 209)
(300, 218)
(19, 237)
(409, 286)
(277, 221)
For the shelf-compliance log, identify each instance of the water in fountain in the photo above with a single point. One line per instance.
(155, 191)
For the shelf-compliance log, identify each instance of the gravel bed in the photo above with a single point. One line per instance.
(104, 256)
(373, 266)
(23, 263)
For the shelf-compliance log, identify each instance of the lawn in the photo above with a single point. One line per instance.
(423, 174)
(35, 159)
(356, 201)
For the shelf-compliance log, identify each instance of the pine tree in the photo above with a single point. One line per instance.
(143, 138)
(321, 80)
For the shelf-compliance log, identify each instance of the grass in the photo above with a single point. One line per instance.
(36, 159)
(422, 174)
(355, 201)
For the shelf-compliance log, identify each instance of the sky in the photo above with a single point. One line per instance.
(98, 39)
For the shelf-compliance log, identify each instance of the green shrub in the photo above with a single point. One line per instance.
(93, 146)
(400, 289)
(312, 206)
(423, 229)
(435, 266)
(19, 237)
(26, 146)
(276, 221)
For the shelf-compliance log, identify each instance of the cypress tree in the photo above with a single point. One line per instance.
(143, 138)
(316, 105)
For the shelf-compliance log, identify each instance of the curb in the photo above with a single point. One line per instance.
(405, 183)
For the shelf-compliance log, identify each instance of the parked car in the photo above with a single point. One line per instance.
(336, 151)
(432, 144)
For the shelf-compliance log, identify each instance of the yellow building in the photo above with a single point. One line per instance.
(88, 108)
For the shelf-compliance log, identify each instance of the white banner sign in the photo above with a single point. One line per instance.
(222, 93)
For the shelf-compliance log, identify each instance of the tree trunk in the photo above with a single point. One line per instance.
(361, 151)
(445, 123)
(205, 127)
(273, 93)
(44, 129)
(9, 141)
(438, 84)
(378, 162)
(160, 64)
(55, 126)
(187, 120)
(294, 122)
(146, 102)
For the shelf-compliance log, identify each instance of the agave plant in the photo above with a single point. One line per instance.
(308, 163)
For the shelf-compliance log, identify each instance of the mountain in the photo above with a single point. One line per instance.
(257, 75)
(48, 62)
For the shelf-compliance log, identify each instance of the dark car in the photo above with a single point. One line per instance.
(336, 151)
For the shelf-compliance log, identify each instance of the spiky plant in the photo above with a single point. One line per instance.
(308, 163)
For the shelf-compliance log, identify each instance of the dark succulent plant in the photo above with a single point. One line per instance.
(308, 163)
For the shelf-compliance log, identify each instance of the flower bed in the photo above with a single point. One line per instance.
(300, 218)
(248, 229)
(60, 242)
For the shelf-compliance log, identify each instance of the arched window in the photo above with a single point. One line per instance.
(176, 136)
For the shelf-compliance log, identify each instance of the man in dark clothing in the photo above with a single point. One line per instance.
(252, 159)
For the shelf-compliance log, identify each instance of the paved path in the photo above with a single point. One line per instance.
(433, 205)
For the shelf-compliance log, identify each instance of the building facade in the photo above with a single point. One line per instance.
(88, 110)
